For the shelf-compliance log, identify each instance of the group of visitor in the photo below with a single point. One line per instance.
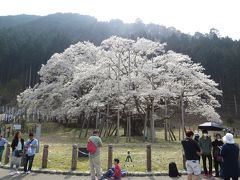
(22, 150)
(222, 151)
(19, 146)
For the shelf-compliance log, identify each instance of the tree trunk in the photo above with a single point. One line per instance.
(83, 124)
(166, 122)
(138, 127)
(165, 130)
(152, 124)
(183, 116)
(145, 127)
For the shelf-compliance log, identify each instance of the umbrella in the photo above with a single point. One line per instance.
(210, 126)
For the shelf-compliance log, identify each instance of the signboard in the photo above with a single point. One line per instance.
(17, 127)
(2, 117)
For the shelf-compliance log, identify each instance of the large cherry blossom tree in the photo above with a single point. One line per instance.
(121, 75)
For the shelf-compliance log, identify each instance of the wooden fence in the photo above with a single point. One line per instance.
(74, 159)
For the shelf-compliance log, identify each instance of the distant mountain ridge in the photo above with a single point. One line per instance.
(11, 21)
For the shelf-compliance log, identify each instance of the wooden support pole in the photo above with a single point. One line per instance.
(88, 122)
(182, 115)
(166, 122)
(81, 130)
(152, 126)
(45, 156)
(129, 128)
(149, 158)
(115, 129)
(23, 160)
(110, 156)
(165, 131)
(101, 128)
(74, 157)
(179, 133)
(173, 135)
(145, 127)
(184, 161)
(107, 120)
(7, 155)
(110, 128)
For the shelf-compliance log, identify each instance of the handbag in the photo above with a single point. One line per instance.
(18, 153)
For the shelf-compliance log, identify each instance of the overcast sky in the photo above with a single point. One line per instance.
(188, 16)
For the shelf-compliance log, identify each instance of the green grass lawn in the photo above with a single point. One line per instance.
(60, 141)
(60, 156)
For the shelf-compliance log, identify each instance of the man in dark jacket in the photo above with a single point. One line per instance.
(230, 154)
(217, 144)
(205, 144)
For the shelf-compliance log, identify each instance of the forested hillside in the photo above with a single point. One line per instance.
(26, 42)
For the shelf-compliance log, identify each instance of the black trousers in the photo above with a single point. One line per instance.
(28, 162)
(233, 178)
(217, 164)
(209, 157)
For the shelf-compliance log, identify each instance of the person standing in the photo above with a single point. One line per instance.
(192, 152)
(196, 138)
(93, 147)
(17, 152)
(217, 144)
(230, 154)
(205, 144)
(31, 146)
(3, 141)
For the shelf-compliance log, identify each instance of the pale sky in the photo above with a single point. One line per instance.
(188, 16)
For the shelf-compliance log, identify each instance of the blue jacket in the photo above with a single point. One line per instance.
(230, 154)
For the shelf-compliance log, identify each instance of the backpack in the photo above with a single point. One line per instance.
(172, 170)
(91, 147)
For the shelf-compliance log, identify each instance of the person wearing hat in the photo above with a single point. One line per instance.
(230, 154)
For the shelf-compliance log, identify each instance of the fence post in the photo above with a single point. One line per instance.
(23, 160)
(7, 154)
(8, 132)
(184, 162)
(149, 158)
(45, 156)
(74, 157)
(110, 152)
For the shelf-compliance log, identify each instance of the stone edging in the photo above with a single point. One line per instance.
(78, 173)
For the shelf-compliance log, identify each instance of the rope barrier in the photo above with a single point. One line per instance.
(83, 153)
